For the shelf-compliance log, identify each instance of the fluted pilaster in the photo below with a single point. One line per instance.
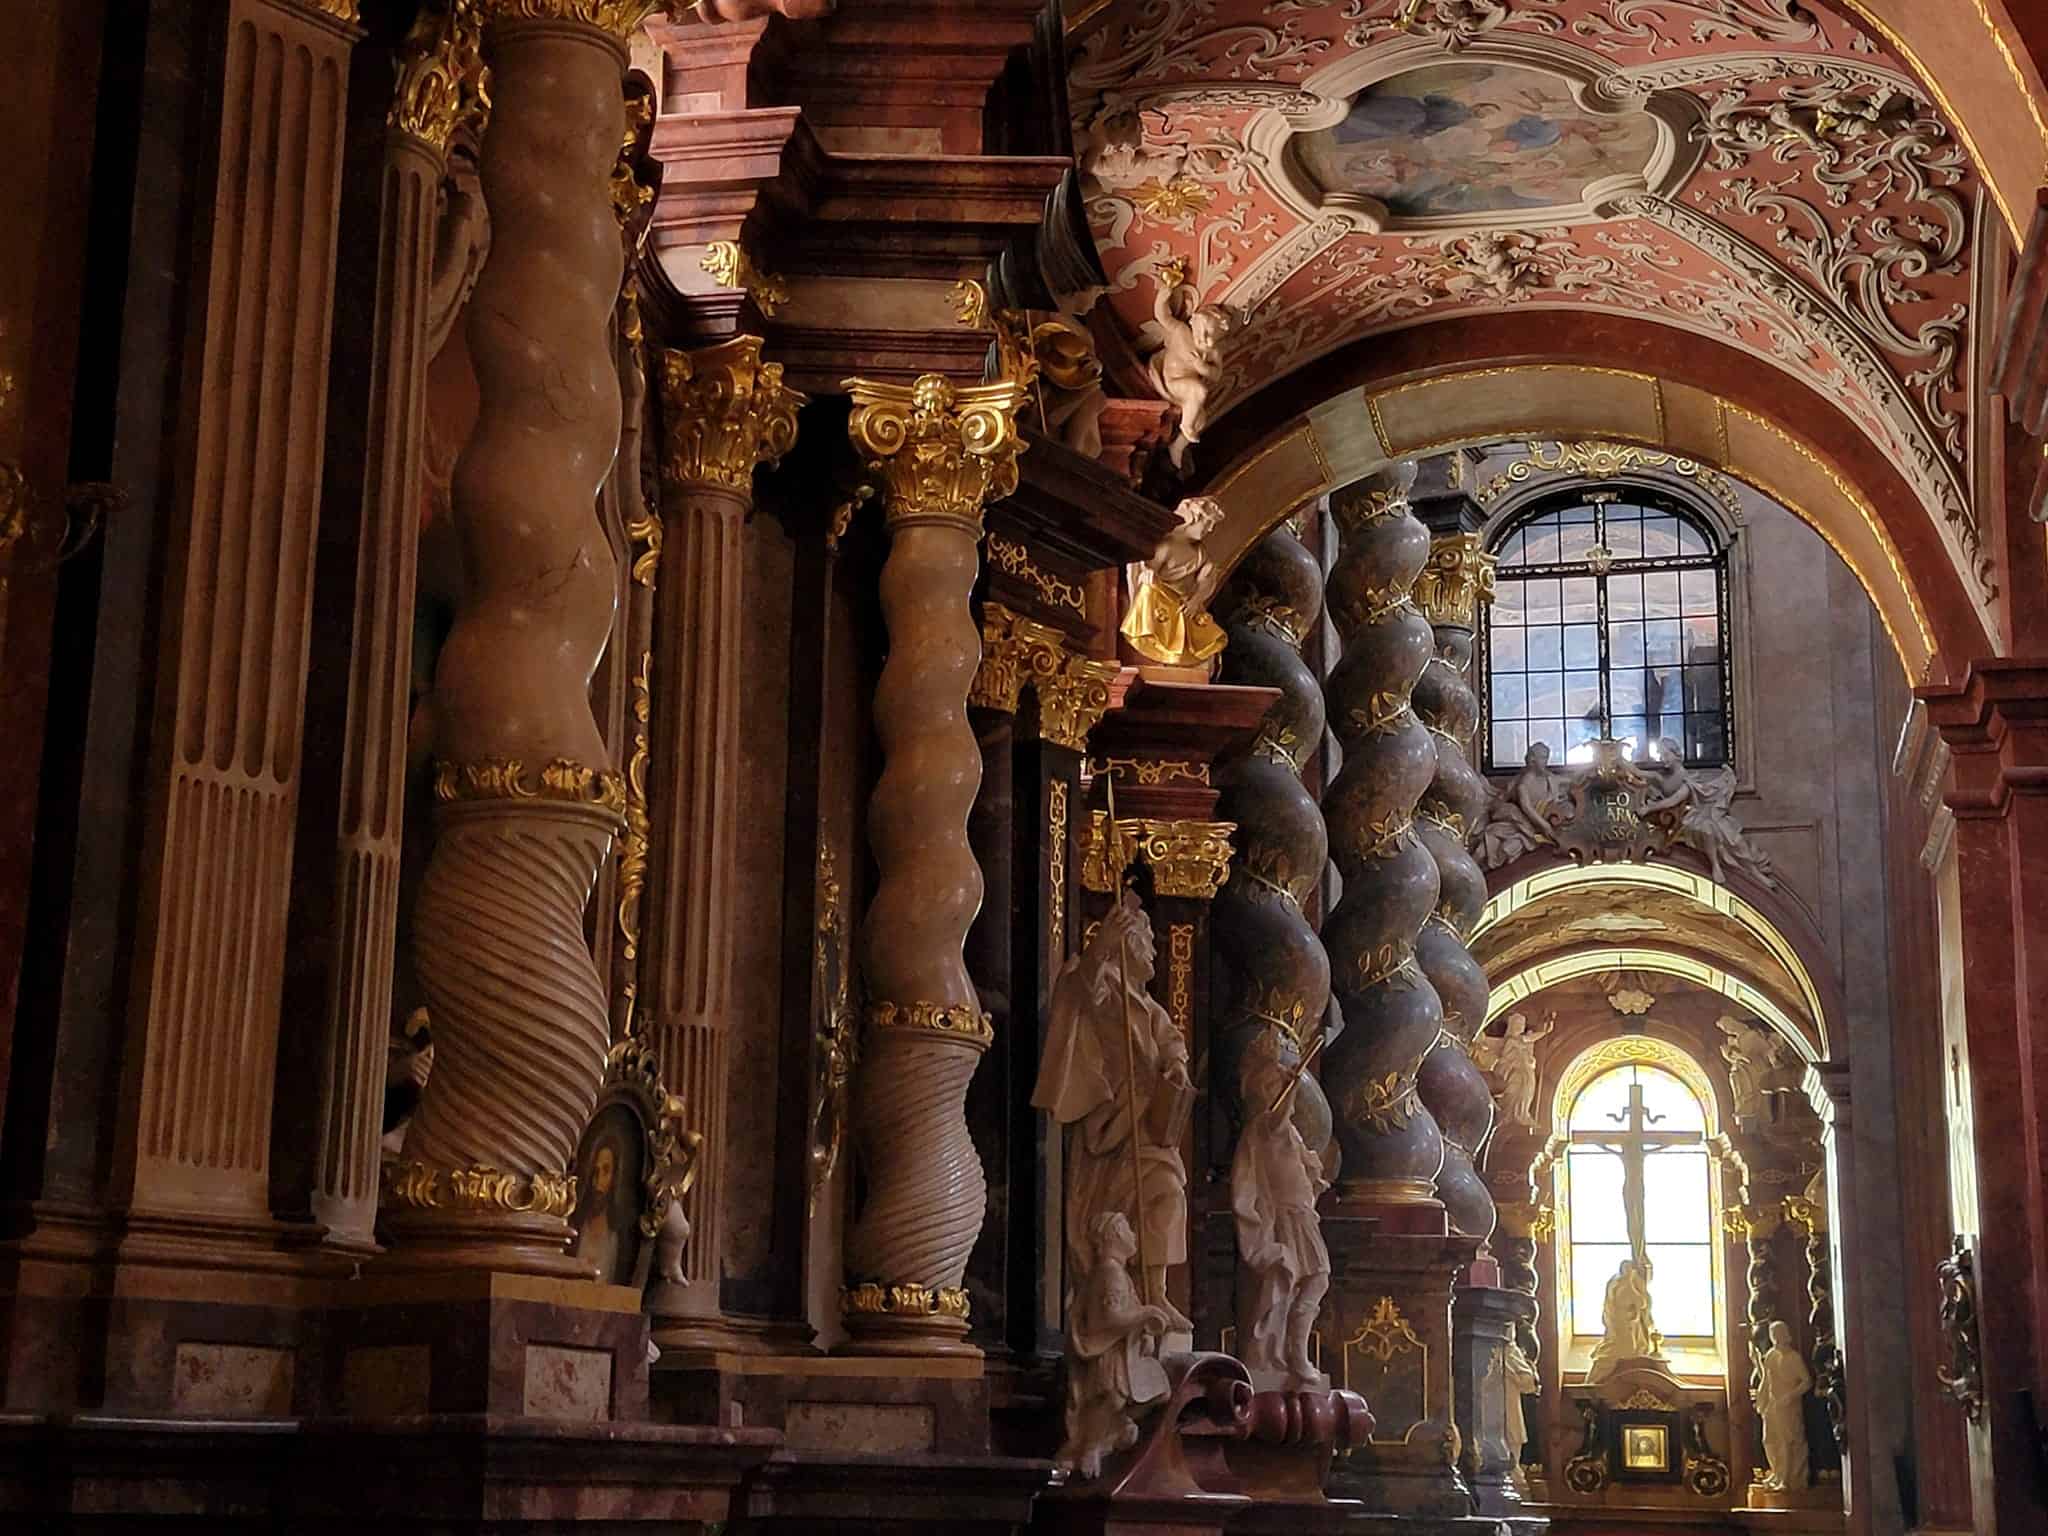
(236, 627)
(1393, 1149)
(440, 80)
(724, 412)
(940, 453)
(1452, 1089)
(528, 801)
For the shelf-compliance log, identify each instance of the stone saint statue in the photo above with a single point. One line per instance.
(1189, 366)
(1518, 816)
(1274, 1181)
(1752, 1055)
(1512, 1061)
(1700, 807)
(1627, 1333)
(1115, 1074)
(1112, 1352)
(1781, 1404)
(1521, 1382)
(1168, 621)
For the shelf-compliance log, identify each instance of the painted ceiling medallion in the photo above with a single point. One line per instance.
(1478, 143)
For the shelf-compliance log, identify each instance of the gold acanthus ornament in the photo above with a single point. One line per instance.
(941, 451)
(1188, 858)
(724, 411)
(620, 18)
(509, 779)
(442, 77)
(731, 267)
(1013, 559)
(479, 1188)
(969, 1026)
(1458, 578)
(341, 10)
(1014, 651)
(907, 1300)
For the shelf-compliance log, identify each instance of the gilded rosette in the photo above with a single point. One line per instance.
(724, 412)
(941, 451)
(1393, 1147)
(1271, 970)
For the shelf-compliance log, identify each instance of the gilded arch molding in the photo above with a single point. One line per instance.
(1567, 921)
(1357, 428)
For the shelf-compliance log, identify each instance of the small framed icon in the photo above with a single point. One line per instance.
(1646, 1448)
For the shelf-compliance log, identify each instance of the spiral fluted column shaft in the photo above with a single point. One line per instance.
(528, 804)
(940, 453)
(1272, 969)
(1393, 1149)
(1451, 1086)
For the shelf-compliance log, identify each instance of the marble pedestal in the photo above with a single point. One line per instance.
(1388, 1322)
(832, 1405)
(403, 1345)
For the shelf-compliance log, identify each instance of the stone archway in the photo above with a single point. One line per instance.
(1619, 378)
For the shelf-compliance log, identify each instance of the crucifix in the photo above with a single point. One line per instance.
(1635, 1145)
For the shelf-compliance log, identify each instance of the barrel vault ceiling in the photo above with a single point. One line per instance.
(1761, 172)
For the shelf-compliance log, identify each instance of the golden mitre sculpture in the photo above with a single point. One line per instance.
(1168, 620)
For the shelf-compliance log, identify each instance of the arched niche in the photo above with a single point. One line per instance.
(1550, 377)
(1657, 918)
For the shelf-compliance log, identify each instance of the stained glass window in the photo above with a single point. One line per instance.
(1610, 620)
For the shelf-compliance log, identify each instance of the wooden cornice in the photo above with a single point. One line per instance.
(1080, 509)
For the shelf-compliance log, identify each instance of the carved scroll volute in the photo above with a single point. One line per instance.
(940, 452)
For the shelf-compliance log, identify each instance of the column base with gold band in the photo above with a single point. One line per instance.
(918, 1058)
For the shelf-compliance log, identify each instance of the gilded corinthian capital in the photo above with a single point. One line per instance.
(1458, 578)
(941, 451)
(621, 18)
(441, 75)
(724, 411)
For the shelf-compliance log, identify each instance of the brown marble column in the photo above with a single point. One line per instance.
(210, 950)
(440, 80)
(724, 411)
(528, 800)
(940, 453)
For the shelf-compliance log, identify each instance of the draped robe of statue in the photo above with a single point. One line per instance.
(1627, 1332)
(1285, 1267)
(1090, 1083)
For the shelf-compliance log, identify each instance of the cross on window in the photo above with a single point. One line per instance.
(1635, 1146)
(1638, 1186)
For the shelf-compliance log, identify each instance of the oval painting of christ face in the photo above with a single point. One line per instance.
(608, 1177)
(1464, 138)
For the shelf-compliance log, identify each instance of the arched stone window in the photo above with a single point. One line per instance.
(1611, 619)
(1636, 1167)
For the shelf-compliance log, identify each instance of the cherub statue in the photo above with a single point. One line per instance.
(1189, 365)
(1274, 1181)
(1112, 1352)
(1518, 817)
(1114, 155)
(1168, 620)
(1697, 807)
(1511, 1058)
(1752, 1055)
(670, 1239)
(1115, 1070)
(1781, 1404)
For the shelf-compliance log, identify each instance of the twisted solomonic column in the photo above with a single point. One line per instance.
(1392, 1147)
(1272, 970)
(1449, 591)
(528, 802)
(940, 453)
